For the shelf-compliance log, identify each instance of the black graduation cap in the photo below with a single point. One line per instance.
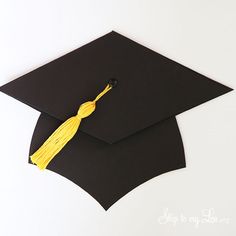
(132, 136)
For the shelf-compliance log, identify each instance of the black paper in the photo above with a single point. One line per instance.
(133, 135)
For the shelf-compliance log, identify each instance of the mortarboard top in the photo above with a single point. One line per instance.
(133, 134)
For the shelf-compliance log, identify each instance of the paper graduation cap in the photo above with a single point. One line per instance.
(133, 135)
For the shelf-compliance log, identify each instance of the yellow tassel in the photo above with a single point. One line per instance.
(64, 133)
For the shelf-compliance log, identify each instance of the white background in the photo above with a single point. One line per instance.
(199, 34)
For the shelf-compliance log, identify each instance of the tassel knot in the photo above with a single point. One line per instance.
(86, 109)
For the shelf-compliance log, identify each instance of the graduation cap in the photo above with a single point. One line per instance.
(126, 135)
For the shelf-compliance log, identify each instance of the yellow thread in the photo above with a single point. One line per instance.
(64, 133)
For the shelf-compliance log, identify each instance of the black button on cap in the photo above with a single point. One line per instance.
(113, 82)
